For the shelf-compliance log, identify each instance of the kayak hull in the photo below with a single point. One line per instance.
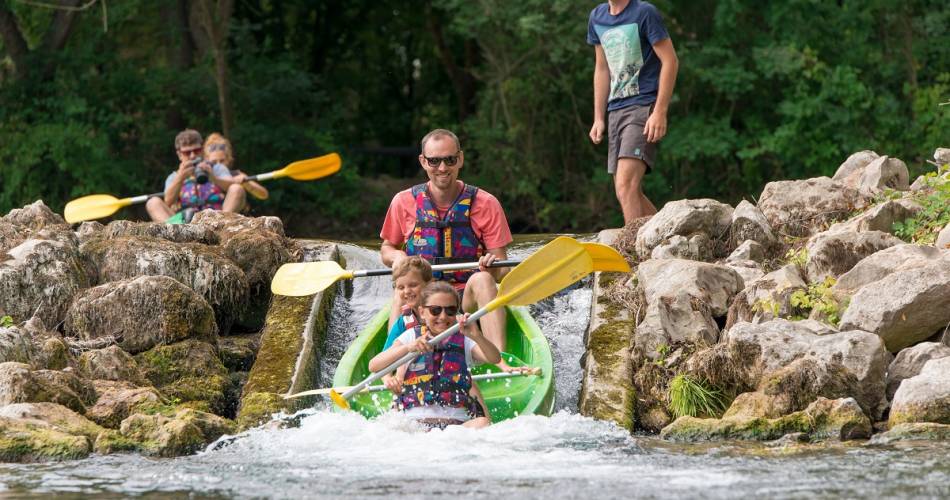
(506, 398)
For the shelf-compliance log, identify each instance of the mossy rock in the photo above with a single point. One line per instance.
(257, 408)
(26, 442)
(188, 371)
(112, 441)
(162, 436)
(211, 390)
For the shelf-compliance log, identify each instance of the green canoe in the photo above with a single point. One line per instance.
(506, 398)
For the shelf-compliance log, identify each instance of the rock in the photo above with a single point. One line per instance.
(942, 156)
(696, 247)
(749, 223)
(824, 419)
(910, 361)
(943, 238)
(767, 298)
(212, 426)
(788, 360)
(672, 321)
(40, 276)
(189, 371)
(54, 355)
(30, 441)
(880, 218)
(56, 416)
(714, 285)
(924, 397)
(902, 308)
(141, 312)
(110, 441)
(20, 384)
(749, 270)
(89, 230)
(110, 363)
(16, 345)
(11, 235)
(850, 172)
(896, 259)
(202, 268)
(36, 216)
(259, 254)
(163, 436)
(684, 218)
(831, 254)
(884, 173)
(117, 400)
(913, 431)
(800, 208)
(237, 352)
(226, 224)
(748, 250)
(177, 233)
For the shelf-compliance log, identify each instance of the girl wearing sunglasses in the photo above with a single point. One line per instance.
(436, 388)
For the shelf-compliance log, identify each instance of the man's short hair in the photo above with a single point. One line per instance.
(187, 137)
(441, 132)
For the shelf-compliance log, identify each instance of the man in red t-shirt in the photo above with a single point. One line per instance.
(442, 158)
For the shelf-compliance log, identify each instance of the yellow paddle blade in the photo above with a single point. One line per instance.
(606, 258)
(339, 400)
(552, 268)
(94, 206)
(314, 168)
(307, 278)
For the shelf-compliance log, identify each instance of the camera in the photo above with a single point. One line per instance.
(201, 176)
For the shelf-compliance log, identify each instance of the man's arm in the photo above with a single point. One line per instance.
(655, 127)
(391, 253)
(601, 90)
(491, 255)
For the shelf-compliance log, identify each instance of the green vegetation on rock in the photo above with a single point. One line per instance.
(6, 321)
(818, 298)
(935, 200)
(691, 397)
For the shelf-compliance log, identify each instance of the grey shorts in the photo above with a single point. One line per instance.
(626, 139)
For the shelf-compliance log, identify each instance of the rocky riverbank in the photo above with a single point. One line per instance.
(146, 337)
(822, 312)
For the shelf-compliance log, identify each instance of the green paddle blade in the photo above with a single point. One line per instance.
(94, 206)
(314, 168)
(307, 278)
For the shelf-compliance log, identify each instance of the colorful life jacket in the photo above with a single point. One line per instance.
(200, 196)
(409, 317)
(439, 377)
(445, 240)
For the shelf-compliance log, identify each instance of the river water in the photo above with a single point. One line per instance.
(331, 454)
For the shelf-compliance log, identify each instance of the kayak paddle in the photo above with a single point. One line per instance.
(380, 388)
(298, 279)
(550, 269)
(97, 206)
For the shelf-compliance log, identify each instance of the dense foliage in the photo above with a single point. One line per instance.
(766, 90)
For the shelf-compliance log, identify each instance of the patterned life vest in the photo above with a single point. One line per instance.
(408, 317)
(200, 196)
(439, 377)
(445, 240)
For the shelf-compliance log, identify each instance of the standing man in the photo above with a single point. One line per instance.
(446, 221)
(634, 74)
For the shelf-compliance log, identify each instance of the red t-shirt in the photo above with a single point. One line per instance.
(487, 217)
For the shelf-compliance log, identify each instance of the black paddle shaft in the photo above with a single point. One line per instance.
(440, 267)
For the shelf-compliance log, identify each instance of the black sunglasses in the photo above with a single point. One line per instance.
(435, 161)
(437, 310)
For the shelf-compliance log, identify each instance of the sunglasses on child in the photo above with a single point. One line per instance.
(437, 310)
(435, 161)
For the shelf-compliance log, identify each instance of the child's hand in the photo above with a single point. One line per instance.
(420, 345)
(394, 384)
(470, 330)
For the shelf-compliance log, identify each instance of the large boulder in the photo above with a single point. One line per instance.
(749, 223)
(36, 216)
(691, 220)
(768, 297)
(259, 253)
(850, 172)
(30, 342)
(56, 416)
(40, 276)
(794, 365)
(20, 384)
(824, 419)
(16, 345)
(884, 173)
(34, 441)
(909, 362)
(202, 268)
(800, 208)
(831, 254)
(141, 313)
(925, 397)
(943, 238)
(881, 217)
(903, 308)
(11, 235)
(109, 363)
(162, 436)
(877, 266)
(228, 224)
(177, 233)
(117, 400)
(190, 371)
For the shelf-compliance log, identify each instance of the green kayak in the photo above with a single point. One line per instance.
(506, 398)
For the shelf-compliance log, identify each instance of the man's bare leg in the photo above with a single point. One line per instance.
(158, 210)
(480, 290)
(234, 199)
(628, 184)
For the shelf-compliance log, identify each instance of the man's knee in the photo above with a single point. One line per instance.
(482, 283)
(236, 190)
(157, 209)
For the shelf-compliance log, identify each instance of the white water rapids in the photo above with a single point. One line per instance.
(332, 454)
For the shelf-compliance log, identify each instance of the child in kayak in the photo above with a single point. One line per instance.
(436, 388)
(410, 276)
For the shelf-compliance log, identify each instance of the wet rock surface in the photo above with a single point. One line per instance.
(924, 397)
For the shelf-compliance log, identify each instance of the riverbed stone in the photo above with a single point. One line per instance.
(163, 436)
(110, 363)
(141, 312)
(674, 321)
(803, 207)
(190, 371)
(749, 270)
(695, 247)
(924, 397)
(787, 359)
(176, 233)
(204, 269)
(750, 224)
(607, 391)
(902, 308)
(824, 419)
(117, 400)
(11, 235)
(54, 415)
(32, 441)
(20, 384)
(767, 298)
(850, 172)
(910, 361)
(237, 352)
(895, 259)
(687, 219)
(831, 253)
(913, 431)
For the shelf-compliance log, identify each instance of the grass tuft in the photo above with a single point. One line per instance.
(690, 397)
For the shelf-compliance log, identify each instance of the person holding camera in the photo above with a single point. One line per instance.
(196, 185)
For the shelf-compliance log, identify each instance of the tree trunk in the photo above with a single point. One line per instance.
(216, 23)
(13, 40)
(181, 54)
(462, 80)
(62, 25)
